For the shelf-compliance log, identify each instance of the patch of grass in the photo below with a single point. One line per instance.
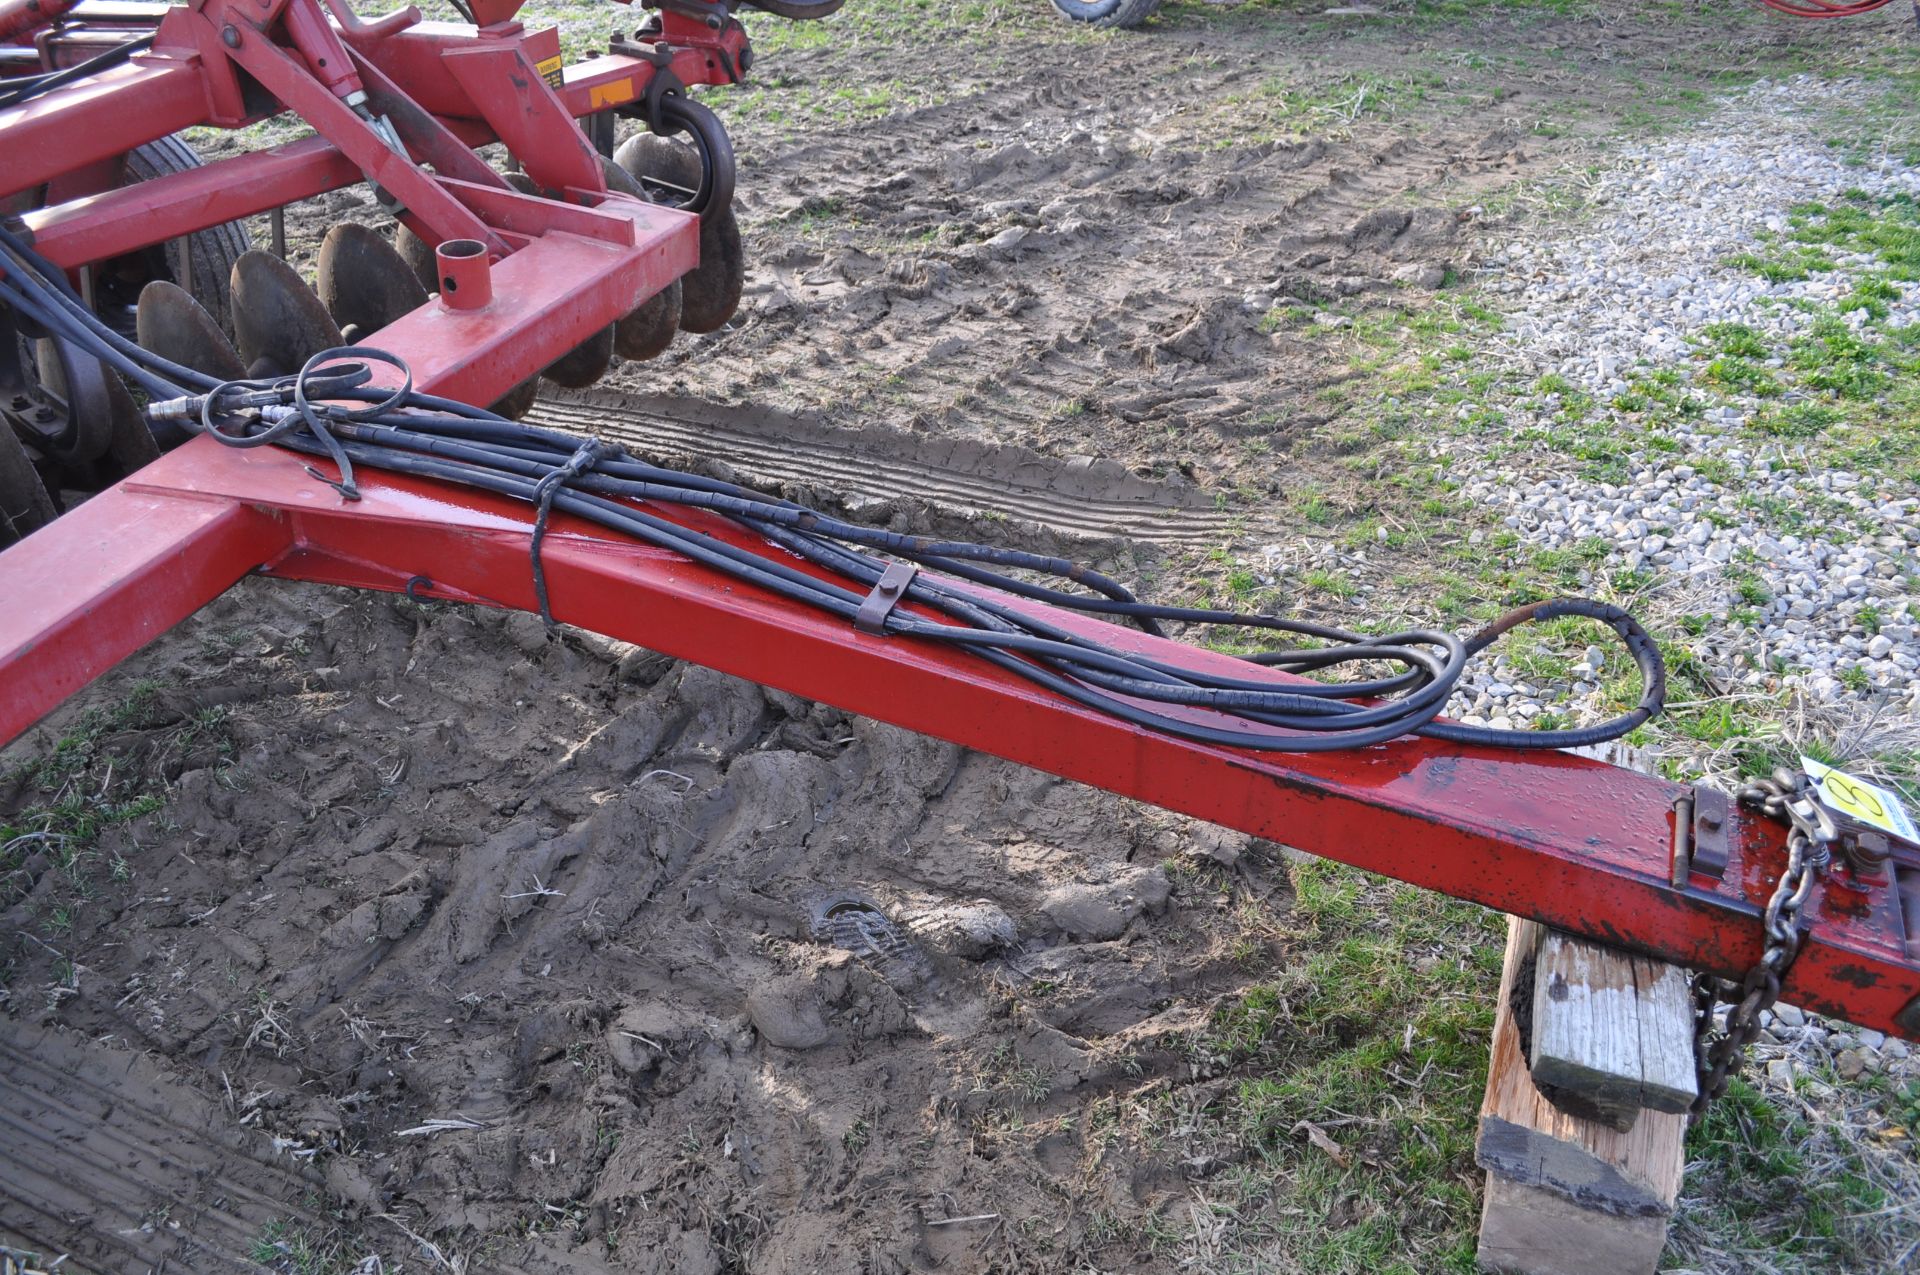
(1379, 1040)
(1735, 339)
(293, 1248)
(1335, 584)
(1742, 375)
(1802, 1197)
(1887, 227)
(1797, 420)
(1789, 265)
(1845, 362)
(88, 783)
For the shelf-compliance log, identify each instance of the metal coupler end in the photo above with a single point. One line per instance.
(175, 409)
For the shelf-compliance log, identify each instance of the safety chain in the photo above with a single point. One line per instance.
(1788, 796)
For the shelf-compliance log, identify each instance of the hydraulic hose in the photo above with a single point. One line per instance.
(30, 87)
(330, 410)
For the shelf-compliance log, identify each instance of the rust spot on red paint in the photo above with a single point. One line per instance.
(1856, 976)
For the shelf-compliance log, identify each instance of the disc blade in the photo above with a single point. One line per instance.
(585, 363)
(25, 505)
(364, 282)
(668, 171)
(133, 443)
(418, 254)
(278, 321)
(710, 292)
(518, 401)
(648, 329)
(170, 323)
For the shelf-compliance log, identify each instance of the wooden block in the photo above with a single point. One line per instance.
(1568, 1195)
(1615, 1030)
(1667, 1064)
(1527, 1231)
(1527, 1140)
(1610, 1034)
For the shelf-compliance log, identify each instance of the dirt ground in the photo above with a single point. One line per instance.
(399, 936)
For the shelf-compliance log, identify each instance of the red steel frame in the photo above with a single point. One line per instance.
(1574, 843)
(230, 63)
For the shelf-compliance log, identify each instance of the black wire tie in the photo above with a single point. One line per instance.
(592, 452)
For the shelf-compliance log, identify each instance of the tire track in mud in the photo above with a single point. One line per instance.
(118, 1166)
(1048, 266)
(102, 1148)
(1086, 497)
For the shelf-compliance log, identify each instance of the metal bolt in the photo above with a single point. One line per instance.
(230, 37)
(1710, 820)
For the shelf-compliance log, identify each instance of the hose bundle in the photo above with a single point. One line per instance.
(330, 410)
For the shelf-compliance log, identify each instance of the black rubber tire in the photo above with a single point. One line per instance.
(214, 249)
(1108, 13)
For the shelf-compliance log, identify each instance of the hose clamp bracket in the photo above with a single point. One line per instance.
(887, 592)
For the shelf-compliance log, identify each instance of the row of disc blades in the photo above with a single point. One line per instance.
(68, 423)
(366, 283)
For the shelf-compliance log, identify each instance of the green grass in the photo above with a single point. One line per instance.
(294, 1248)
(103, 773)
(1377, 1036)
(1777, 1197)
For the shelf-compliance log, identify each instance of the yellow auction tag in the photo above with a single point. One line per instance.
(1857, 799)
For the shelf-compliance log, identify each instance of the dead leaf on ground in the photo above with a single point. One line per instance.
(1320, 1138)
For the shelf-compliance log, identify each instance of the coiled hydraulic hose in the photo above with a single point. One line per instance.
(329, 409)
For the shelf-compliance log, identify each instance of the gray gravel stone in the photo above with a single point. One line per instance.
(1631, 294)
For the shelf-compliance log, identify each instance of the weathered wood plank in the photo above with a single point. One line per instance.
(1586, 1025)
(1596, 1036)
(1524, 1138)
(1667, 1074)
(1568, 1195)
(1610, 1034)
(1527, 1231)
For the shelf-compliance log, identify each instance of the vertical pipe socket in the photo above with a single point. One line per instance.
(466, 278)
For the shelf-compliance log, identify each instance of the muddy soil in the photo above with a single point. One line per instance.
(569, 958)
(425, 864)
(1078, 246)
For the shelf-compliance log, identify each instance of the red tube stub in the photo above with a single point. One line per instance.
(466, 277)
(17, 17)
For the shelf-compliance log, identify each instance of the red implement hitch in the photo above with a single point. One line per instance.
(1575, 843)
(1637, 862)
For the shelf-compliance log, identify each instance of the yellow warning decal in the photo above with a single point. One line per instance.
(612, 93)
(550, 70)
(1858, 799)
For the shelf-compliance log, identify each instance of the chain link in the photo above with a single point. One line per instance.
(1788, 797)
